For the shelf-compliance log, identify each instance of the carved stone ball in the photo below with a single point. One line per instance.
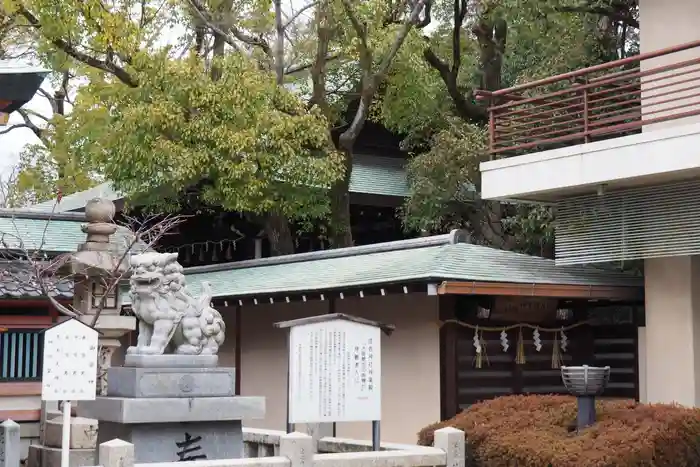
(99, 210)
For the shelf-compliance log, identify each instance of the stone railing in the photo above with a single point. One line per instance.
(259, 442)
(299, 450)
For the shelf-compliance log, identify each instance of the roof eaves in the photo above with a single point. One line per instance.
(455, 236)
(42, 215)
(363, 163)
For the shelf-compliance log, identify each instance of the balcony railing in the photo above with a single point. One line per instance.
(605, 101)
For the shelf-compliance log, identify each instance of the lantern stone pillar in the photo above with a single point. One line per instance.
(95, 266)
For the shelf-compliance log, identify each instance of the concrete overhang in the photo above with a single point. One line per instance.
(653, 157)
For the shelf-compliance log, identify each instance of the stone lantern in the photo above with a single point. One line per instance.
(98, 263)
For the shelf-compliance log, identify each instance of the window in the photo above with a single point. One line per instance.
(20, 355)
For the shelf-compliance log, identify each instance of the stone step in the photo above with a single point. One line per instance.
(43, 456)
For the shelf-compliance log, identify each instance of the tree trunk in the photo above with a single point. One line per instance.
(279, 234)
(340, 231)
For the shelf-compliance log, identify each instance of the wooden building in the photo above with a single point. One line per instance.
(439, 292)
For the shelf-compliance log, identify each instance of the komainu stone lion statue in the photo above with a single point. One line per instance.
(170, 319)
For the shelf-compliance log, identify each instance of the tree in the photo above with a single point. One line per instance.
(218, 114)
(489, 45)
(8, 185)
(44, 170)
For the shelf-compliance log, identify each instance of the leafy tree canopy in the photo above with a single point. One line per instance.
(239, 97)
(488, 45)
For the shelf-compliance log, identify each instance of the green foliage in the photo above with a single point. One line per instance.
(158, 115)
(544, 38)
(44, 171)
(545, 41)
(440, 178)
(250, 144)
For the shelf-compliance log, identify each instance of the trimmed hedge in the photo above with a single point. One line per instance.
(539, 431)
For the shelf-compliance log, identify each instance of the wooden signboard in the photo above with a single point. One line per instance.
(524, 309)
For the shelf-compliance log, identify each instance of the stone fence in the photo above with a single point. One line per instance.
(259, 442)
(300, 450)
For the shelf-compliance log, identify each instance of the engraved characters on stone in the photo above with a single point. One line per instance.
(190, 450)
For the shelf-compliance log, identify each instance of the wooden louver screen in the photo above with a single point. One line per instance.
(20, 355)
(629, 224)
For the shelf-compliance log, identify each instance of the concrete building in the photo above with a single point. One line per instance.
(616, 149)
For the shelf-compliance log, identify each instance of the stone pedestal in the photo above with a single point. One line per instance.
(174, 413)
(83, 442)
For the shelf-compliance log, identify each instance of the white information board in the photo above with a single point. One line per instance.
(334, 372)
(69, 370)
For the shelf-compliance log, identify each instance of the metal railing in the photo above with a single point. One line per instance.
(605, 101)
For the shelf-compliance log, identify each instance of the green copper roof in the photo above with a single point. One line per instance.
(49, 233)
(429, 259)
(375, 175)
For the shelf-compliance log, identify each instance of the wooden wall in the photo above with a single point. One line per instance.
(599, 343)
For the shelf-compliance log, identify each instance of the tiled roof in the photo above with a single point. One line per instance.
(18, 281)
(374, 175)
(49, 233)
(438, 258)
(435, 258)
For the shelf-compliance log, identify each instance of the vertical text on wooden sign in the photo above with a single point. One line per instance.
(70, 359)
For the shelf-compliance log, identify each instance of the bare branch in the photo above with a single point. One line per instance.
(32, 113)
(8, 185)
(299, 13)
(205, 17)
(146, 235)
(238, 34)
(143, 235)
(305, 66)
(106, 66)
(39, 132)
(15, 127)
(279, 43)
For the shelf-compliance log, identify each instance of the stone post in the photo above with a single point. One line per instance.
(9, 444)
(97, 263)
(116, 453)
(299, 448)
(451, 440)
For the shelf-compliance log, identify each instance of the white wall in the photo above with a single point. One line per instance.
(672, 333)
(665, 24)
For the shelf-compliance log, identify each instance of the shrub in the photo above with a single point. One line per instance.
(536, 431)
